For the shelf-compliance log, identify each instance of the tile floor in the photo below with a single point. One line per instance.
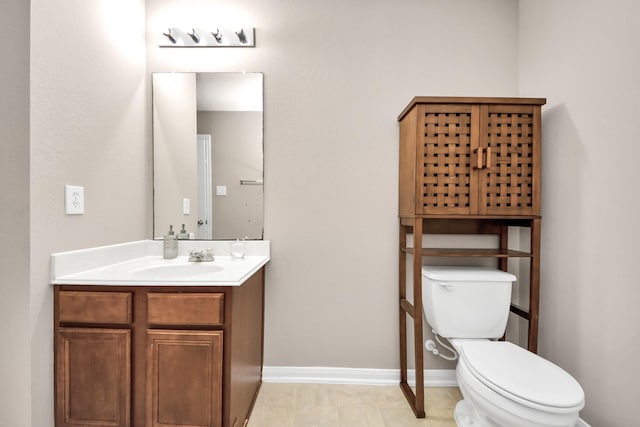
(328, 405)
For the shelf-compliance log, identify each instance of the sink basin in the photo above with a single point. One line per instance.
(154, 270)
(176, 271)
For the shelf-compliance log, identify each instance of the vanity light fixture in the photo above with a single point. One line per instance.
(198, 37)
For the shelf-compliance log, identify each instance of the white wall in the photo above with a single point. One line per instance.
(15, 404)
(336, 76)
(175, 158)
(88, 127)
(584, 57)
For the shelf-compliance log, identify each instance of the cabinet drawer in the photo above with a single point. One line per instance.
(196, 309)
(94, 307)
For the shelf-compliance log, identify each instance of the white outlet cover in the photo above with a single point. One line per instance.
(73, 200)
(221, 190)
(186, 206)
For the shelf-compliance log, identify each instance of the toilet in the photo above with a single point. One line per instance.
(502, 384)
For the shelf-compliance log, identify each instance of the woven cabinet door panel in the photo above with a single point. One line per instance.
(447, 134)
(510, 185)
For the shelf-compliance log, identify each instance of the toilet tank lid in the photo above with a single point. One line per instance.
(502, 365)
(466, 274)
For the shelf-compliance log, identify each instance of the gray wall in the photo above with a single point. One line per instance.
(88, 127)
(336, 76)
(15, 352)
(584, 57)
(236, 150)
(174, 152)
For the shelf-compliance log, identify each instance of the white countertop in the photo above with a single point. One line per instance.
(141, 263)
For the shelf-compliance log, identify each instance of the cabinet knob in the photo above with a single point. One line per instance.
(478, 163)
(483, 158)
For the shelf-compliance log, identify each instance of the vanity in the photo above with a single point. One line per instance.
(144, 341)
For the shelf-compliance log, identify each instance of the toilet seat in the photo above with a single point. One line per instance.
(520, 375)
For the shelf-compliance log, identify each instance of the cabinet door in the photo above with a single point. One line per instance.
(447, 136)
(93, 377)
(510, 184)
(184, 378)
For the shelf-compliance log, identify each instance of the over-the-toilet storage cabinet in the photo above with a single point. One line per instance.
(468, 165)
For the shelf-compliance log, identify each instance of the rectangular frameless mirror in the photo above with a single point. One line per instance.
(207, 154)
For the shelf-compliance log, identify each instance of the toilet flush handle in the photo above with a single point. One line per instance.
(446, 286)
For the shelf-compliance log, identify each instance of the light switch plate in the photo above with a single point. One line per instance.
(73, 200)
(221, 190)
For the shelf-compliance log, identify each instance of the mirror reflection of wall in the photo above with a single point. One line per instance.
(207, 135)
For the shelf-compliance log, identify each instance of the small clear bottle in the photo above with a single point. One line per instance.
(237, 249)
(170, 245)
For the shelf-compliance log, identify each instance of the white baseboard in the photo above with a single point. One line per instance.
(581, 423)
(323, 375)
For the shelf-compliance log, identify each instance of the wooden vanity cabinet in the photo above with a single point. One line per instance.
(468, 165)
(158, 356)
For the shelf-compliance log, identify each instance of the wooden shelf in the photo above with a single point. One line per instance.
(470, 253)
(519, 311)
(460, 225)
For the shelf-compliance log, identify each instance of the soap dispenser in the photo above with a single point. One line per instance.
(183, 234)
(170, 245)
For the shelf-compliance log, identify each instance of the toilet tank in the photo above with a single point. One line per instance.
(466, 302)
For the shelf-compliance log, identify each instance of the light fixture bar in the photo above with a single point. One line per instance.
(213, 37)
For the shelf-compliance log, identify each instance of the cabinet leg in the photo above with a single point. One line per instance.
(417, 317)
(416, 400)
(402, 281)
(534, 286)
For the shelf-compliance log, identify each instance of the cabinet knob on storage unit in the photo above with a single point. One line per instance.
(478, 162)
(483, 158)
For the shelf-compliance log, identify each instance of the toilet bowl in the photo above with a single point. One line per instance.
(502, 384)
(506, 385)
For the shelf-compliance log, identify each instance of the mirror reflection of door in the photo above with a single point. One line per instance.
(204, 187)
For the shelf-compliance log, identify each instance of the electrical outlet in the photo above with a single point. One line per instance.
(186, 206)
(221, 190)
(73, 200)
